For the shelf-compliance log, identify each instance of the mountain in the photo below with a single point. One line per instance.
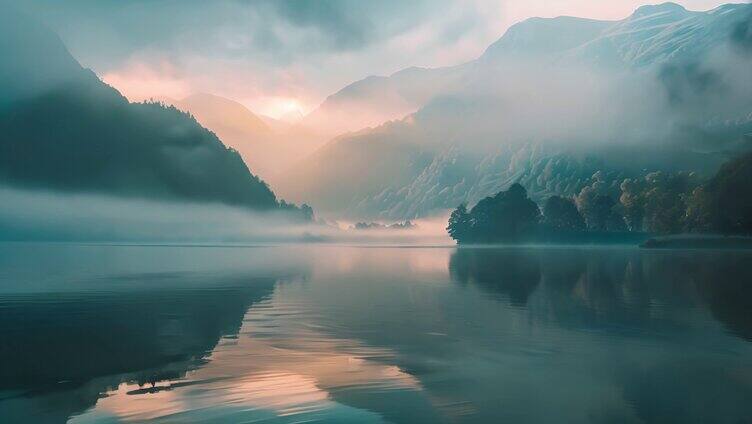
(62, 129)
(376, 99)
(234, 124)
(351, 167)
(222, 114)
(28, 46)
(556, 104)
(653, 33)
(536, 36)
(268, 146)
(660, 33)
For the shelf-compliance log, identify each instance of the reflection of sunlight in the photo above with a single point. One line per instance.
(277, 365)
(142, 407)
(282, 392)
(430, 263)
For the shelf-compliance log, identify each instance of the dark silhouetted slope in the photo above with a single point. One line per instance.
(66, 130)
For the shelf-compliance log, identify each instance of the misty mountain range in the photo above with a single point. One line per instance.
(653, 34)
(554, 104)
(62, 129)
(550, 104)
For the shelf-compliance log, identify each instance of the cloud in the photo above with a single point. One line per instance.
(47, 215)
(255, 36)
(347, 24)
(249, 49)
(142, 81)
(237, 26)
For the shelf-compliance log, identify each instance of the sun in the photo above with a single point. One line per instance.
(284, 108)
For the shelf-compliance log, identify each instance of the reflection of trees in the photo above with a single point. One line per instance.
(623, 288)
(513, 273)
(648, 310)
(591, 288)
(720, 280)
(725, 282)
(610, 291)
(95, 342)
(676, 390)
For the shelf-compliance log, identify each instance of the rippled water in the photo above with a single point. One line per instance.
(353, 334)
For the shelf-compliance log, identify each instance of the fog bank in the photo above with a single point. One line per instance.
(33, 215)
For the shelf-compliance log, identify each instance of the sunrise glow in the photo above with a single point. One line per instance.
(282, 108)
(367, 212)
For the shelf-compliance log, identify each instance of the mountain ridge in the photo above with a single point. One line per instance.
(664, 13)
(458, 150)
(70, 132)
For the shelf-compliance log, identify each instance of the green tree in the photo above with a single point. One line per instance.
(632, 203)
(699, 215)
(560, 214)
(657, 203)
(508, 216)
(599, 211)
(460, 225)
(724, 204)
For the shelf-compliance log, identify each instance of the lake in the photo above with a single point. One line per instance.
(337, 334)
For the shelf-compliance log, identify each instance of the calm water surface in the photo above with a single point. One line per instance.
(111, 334)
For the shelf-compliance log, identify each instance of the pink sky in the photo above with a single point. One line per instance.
(298, 86)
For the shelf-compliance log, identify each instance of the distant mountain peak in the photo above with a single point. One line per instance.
(656, 9)
(409, 71)
(33, 53)
(546, 35)
(212, 109)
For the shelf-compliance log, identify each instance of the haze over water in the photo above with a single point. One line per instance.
(100, 333)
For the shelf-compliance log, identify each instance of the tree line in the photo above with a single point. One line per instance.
(657, 203)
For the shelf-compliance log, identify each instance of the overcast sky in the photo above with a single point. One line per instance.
(283, 56)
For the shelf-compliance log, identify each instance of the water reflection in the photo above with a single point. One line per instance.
(623, 287)
(635, 299)
(724, 281)
(514, 273)
(88, 344)
(342, 334)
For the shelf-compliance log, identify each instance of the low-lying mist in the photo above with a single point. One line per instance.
(35, 215)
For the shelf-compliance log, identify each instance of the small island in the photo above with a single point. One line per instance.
(406, 225)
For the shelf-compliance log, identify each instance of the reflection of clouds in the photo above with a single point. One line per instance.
(275, 366)
(124, 407)
(428, 263)
(277, 336)
(282, 392)
(605, 336)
